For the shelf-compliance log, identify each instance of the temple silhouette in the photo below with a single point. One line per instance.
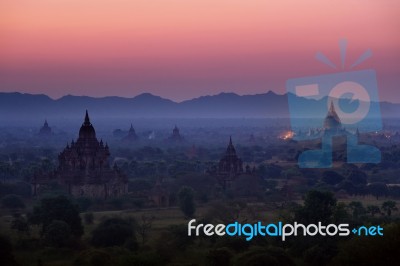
(332, 126)
(45, 130)
(332, 123)
(176, 136)
(84, 169)
(131, 136)
(229, 166)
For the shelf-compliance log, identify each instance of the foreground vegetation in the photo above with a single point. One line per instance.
(55, 232)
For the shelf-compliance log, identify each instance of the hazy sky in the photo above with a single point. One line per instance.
(181, 49)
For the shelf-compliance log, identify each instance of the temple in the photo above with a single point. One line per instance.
(332, 126)
(176, 136)
(131, 135)
(332, 121)
(229, 166)
(84, 169)
(45, 130)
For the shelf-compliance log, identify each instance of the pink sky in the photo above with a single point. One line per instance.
(181, 49)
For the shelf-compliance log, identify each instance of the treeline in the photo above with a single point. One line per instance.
(56, 231)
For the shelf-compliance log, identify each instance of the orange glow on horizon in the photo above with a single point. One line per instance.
(287, 135)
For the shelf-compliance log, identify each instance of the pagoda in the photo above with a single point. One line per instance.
(176, 136)
(45, 130)
(229, 166)
(84, 168)
(131, 135)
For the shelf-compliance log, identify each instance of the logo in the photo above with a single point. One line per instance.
(279, 229)
(339, 104)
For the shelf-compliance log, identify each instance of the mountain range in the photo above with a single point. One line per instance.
(146, 105)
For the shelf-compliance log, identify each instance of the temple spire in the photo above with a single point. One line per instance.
(332, 108)
(230, 149)
(333, 113)
(87, 120)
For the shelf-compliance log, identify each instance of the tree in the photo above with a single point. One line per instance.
(20, 224)
(378, 189)
(318, 207)
(357, 177)
(57, 208)
(389, 206)
(12, 201)
(340, 214)
(332, 178)
(357, 209)
(57, 234)
(348, 187)
(186, 201)
(144, 227)
(373, 209)
(113, 232)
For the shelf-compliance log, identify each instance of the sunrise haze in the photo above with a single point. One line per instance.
(183, 49)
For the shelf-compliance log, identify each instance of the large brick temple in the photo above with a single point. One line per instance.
(84, 168)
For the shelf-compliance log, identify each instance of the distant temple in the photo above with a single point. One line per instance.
(332, 121)
(176, 136)
(229, 166)
(84, 169)
(131, 135)
(332, 126)
(45, 130)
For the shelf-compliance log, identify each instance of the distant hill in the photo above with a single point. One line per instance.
(223, 105)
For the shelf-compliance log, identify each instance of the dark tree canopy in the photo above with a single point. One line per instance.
(318, 207)
(332, 178)
(373, 209)
(357, 177)
(378, 189)
(357, 209)
(186, 201)
(57, 208)
(20, 224)
(389, 206)
(113, 232)
(57, 234)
